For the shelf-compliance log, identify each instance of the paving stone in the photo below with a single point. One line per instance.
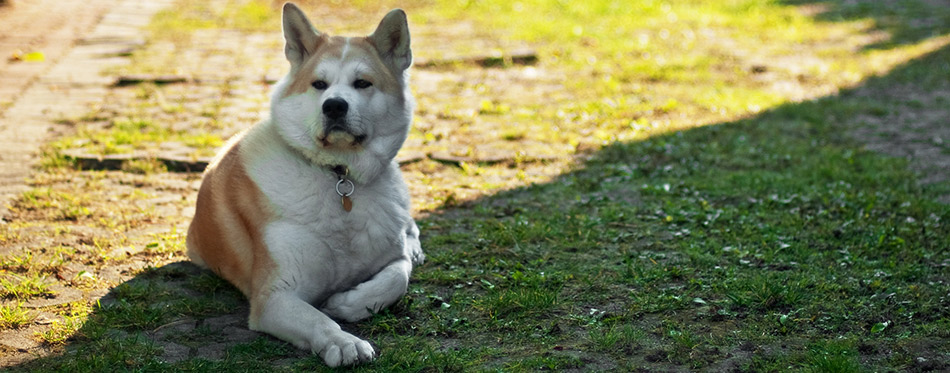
(97, 294)
(220, 322)
(62, 295)
(213, 351)
(174, 352)
(46, 318)
(129, 40)
(238, 334)
(174, 328)
(17, 340)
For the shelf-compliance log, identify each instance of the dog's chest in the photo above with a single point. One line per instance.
(314, 234)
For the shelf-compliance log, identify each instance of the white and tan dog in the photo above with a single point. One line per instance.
(307, 213)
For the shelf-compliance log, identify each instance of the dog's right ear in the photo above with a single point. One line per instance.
(300, 37)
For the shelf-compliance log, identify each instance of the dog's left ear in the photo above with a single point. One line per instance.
(391, 39)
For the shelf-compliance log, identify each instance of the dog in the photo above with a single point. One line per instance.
(307, 212)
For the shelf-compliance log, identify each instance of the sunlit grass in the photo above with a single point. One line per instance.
(704, 55)
(24, 287)
(179, 23)
(14, 316)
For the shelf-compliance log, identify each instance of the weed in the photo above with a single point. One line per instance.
(260, 348)
(144, 167)
(616, 338)
(832, 356)
(527, 294)
(109, 353)
(209, 283)
(14, 316)
(131, 316)
(61, 330)
(24, 287)
(765, 293)
(60, 205)
(18, 263)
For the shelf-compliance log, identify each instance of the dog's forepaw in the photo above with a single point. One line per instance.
(417, 257)
(413, 245)
(345, 349)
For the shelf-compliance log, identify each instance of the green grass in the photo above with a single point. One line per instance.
(699, 216)
(14, 316)
(21, 287)
(62, 330)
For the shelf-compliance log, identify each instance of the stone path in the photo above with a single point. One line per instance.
(77, 40)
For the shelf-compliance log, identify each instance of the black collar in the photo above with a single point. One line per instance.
(340, 170)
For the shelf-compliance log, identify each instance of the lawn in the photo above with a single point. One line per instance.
(672, 186)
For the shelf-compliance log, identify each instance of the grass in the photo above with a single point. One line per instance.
(14, 316)
(700, 204)
(152, 128)
(20, 287)
(74, 316)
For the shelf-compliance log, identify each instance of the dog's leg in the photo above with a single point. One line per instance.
(286, 316)
(367, 298)
(413, 246)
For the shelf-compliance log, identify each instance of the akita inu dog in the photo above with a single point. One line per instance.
(307, 212)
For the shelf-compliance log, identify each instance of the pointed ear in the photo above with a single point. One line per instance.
(391, 39)
(300, 37)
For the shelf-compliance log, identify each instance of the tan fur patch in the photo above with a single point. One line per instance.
(382, 77)
(226, 230)
(360, 48)
(303, 77)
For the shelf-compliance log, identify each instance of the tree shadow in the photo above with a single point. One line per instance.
(648, 216)
(905, 22)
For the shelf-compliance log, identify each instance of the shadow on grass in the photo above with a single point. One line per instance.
(758, 245)
(906, 22)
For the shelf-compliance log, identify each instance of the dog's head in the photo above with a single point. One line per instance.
(344, 95)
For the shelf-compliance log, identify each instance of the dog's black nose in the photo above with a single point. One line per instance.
(335, 108)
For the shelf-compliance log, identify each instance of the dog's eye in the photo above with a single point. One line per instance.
(321, 85)
(360, 84)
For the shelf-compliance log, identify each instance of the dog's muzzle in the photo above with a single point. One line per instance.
(336, 132)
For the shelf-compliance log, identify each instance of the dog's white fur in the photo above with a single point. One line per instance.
(269, 218)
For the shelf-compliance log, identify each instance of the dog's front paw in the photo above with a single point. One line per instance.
(417, 256)
(346, 349)
(414, 246)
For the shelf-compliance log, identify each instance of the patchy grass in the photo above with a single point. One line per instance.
(679, 192)
(74, 316)
(20, 287)
(153, 126)
(14, 316)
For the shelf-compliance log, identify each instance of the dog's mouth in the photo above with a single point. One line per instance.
(341, 139)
